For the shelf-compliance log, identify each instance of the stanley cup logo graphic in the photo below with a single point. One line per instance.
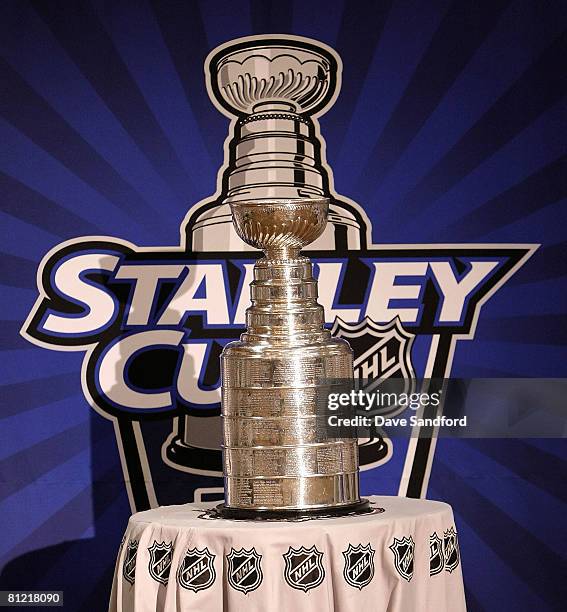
(152, 321)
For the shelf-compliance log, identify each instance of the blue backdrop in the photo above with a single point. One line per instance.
(450, 127)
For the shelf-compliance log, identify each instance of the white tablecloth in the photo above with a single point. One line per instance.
(404, 556)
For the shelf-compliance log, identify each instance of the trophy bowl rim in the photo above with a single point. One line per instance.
(281, 201)
(286, 238)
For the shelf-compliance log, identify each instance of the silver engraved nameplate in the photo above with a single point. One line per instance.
(276, 378)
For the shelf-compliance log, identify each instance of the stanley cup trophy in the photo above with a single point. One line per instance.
(277, 459)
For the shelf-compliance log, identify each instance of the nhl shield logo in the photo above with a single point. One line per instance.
(197, 570)
(403, 550)
(244, 569)
(450, 549)
(359, 565)
(436, 557)
(161, 555)
(129, 564)
(304, 568)
(380, 351)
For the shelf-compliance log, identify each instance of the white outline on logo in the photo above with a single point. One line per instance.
(206, 554)
(347, 555)
(288, 570)
(250, 554)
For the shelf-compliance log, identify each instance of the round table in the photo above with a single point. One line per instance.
(401, 556)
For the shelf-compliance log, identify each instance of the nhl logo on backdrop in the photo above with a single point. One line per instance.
(244, 569)
(304, 568)
(197, 570)
(380, 351)
(161, 556)
(359, 565)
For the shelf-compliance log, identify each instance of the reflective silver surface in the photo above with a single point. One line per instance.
(276, 377)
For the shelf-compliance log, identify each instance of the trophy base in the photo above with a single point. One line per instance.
(245, 514)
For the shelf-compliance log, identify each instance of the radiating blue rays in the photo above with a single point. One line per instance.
(464, 370)
(55, 489)
(139, 41)
(487, 575)
(539, 361)
(56, 79)
(536, 565)
(53, 451)
(46, 421)
(25, 365)
(25, 161)
(79, 31)
(407, 32)
(507, 52)
(318, 19)
(19, 398)
(30, 206)
(518, 497)
(14, 235)
(548, 222)
(528, 299)
(64, 565)
(542, 189)
(537, 461)
(16, 302)
(222, 22)
(366, 28)
(548, 329)
(417, 118)
(18, 271)
(270, 16)
(66, 499)
(109, 530)
(557, 448)
(546, 186)
(527, 154)
(184, 35)
(10, 338)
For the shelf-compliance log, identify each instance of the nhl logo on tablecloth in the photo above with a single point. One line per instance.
(161, 555)
(244, 569)
(403, 550)
(129, 564)
(436, 558)
(303, 568)
(450, 549)
(359, 565)
(197, 570)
